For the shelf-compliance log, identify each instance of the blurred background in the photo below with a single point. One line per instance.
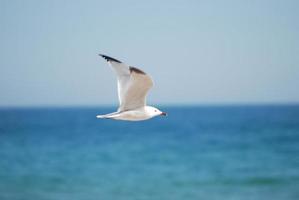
(226, 72)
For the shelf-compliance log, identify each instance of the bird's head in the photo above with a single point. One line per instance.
(155, 111)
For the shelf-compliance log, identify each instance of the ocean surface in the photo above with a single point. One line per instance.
(208, 153)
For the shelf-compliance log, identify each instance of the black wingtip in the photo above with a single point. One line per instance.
(109, 58)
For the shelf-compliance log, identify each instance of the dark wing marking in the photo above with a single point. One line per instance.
(109, 58)
(136, 70)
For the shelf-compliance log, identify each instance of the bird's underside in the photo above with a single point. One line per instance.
(130, 115)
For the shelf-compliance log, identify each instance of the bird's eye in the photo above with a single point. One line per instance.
(155, 110)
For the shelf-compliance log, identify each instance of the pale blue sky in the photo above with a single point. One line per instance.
(198, 52)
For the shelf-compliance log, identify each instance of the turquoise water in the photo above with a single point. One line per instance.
(225, 153)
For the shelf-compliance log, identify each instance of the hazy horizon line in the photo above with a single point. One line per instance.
(223, 104)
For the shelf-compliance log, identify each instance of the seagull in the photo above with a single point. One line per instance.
(133, 85)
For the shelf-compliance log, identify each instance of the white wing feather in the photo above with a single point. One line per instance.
(132, 83)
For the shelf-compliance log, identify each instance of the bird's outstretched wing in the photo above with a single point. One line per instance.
(132, 83)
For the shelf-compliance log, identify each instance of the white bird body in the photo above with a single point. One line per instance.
(133, 85)
(138, 114)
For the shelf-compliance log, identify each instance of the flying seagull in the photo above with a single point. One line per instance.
(133, 85)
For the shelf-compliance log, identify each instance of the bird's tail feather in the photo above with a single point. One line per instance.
(107, 116)
(103, 117)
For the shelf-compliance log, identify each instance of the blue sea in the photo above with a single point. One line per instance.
(197, 152)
